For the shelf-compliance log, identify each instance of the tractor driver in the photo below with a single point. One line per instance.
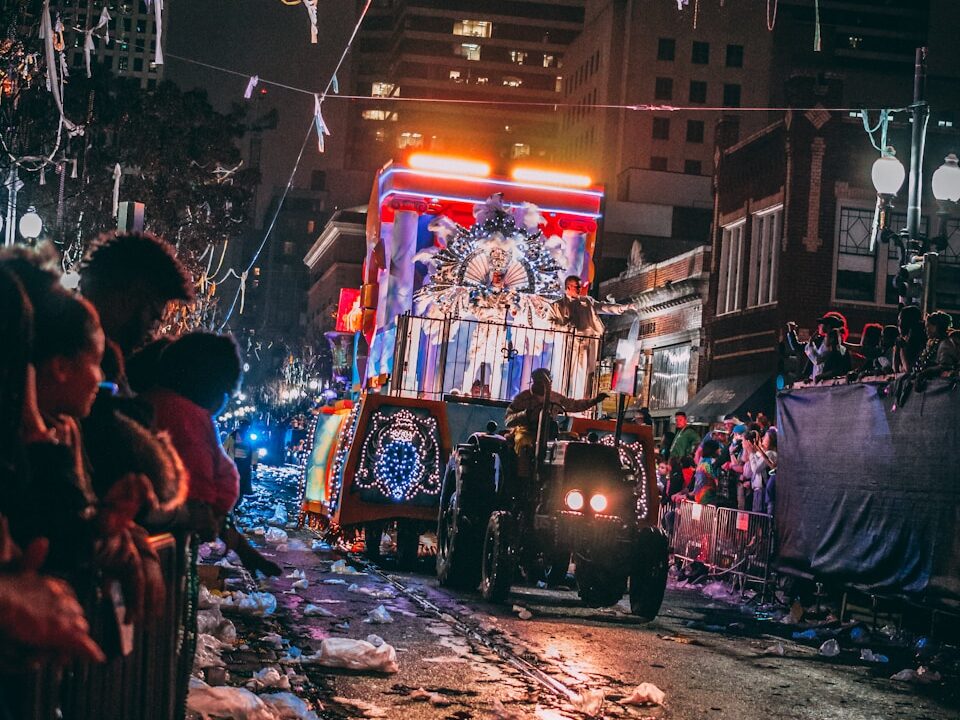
(523, 413)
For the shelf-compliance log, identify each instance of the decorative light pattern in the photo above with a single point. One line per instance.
(400, 456)
(340, 456)
(631, 457)
(498, 264)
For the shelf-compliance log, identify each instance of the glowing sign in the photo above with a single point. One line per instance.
(349, 313)
(550, 177)
(449, 164)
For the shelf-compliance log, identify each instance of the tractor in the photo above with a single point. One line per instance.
(581, 498)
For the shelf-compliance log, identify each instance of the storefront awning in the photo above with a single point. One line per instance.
(738, 395)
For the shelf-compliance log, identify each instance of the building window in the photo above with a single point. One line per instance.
(694, 131)
(658, 163)
(729, 275)
(692, 167)
(519, 150)
(734, 56)
(700, 54)
(468, 51)
(549, 60)
(558, 84)
(663, 89)
(409, 140)
(518, 57)
(661, 128)
(375, 115)
(698, 91)
(764, 250)
(138, 64)
(670, 377)
(382, 89)
(122, 63)
(731, 95)
(288, 247)
(318, 181)
(666, 49)
(380, 136)
(512, 81)
(473, 28)
(482, 80)
(456, 76)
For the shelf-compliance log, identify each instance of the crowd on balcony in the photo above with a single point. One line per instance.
(108, 438)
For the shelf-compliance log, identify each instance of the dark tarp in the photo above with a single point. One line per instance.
(868, 495)
(738, 394)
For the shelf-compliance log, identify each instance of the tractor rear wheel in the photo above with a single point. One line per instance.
(648, 580)
(498, 559)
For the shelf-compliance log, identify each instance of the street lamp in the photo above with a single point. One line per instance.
(30, 224)
(888, 173)
(946, 180)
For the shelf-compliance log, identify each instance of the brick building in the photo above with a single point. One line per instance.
(671, 295)
(793, 222)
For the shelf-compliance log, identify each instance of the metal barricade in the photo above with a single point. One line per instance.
(744, 544)
(729, 542)
(142, 684)
(694, 527)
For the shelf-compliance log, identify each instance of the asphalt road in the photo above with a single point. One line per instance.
(707, 656)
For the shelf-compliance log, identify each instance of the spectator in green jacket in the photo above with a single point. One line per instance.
(686, 440)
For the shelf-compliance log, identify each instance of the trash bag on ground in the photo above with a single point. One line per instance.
(340, 567)
(279, 515)
(355, 655)
(226, 702)
(208, 652)
(269, 678)
(830, 648)
(288, 706)
(259, 604)
(379, 616)
(312, 610)
(645, 694)
(275, 536)
(588, 702)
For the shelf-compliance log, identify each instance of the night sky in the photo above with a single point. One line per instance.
(272, 40)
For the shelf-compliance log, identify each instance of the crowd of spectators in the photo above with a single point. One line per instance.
(89, 467)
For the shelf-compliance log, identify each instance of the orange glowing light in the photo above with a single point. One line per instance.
(550, 177)
(449, 164)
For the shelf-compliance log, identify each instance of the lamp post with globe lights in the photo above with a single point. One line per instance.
(31, 225)
(919, 255)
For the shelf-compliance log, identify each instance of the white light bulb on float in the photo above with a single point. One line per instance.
(946, 180)
(888, 173)
(30, 224)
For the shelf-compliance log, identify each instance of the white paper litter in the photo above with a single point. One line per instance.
(355, 655)
(379, 616)
(871, 656)
(316, 610)
(368, 709)
(206, 599)
(375, 640)
(776, 649)
(288, 706)
(340, 567)
(588, 702)
(645, 694)
(421, 695)
(334, 581)
(296, 575)
(502, 713)
(279, 515)
(522, 612)
(256, 603)
(208, 652)
(921, 675)
(226, 702)
(319, 546)
(212, 622)
(275, 536)
(384, 594)
(830, 648)
(273, 640)
(296, 544)
(269, 678)
(301, 584)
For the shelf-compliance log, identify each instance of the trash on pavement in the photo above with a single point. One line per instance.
(645, 694)
(502, 713)
(871, 656)
(367, 709)
(355, 655)
(275, 536)
(317, 610)
(267, 678)
(334, 581)
(207, 599)
(255, 603)
(208, 652)
(320, 546)
(340, 567)
(302, 584)
(279, 515)
(775, 649)
(288, 706)
(258, 530)
(375, 640)
(226, 702)
(805, 635)
(830, 648)
(297, 544)
(921, 675)
(436, 699)
(379, 616)
(385, 594)
(588, 702)
(296, 575)
(212, 622)
(522, 612)
(274, 640)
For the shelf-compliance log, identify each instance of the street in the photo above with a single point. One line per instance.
(459, 657)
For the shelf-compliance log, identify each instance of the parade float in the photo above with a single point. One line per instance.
(454, 313)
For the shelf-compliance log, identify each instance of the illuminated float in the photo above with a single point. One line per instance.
(454, 313)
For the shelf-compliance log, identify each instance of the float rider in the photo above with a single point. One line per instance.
(523, 414)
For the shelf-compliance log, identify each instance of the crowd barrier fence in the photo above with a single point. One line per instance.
(147, 683)
(729, 542)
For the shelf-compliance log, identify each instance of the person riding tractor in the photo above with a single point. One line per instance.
(523, 414)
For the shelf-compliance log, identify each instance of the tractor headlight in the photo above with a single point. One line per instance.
(598, 503)
(574, 500)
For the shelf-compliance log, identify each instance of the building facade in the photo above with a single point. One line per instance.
(794, 223)
(486, 54)
(670, 295)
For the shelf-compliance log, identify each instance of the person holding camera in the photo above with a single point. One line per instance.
(825, 349)
(760, 459)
